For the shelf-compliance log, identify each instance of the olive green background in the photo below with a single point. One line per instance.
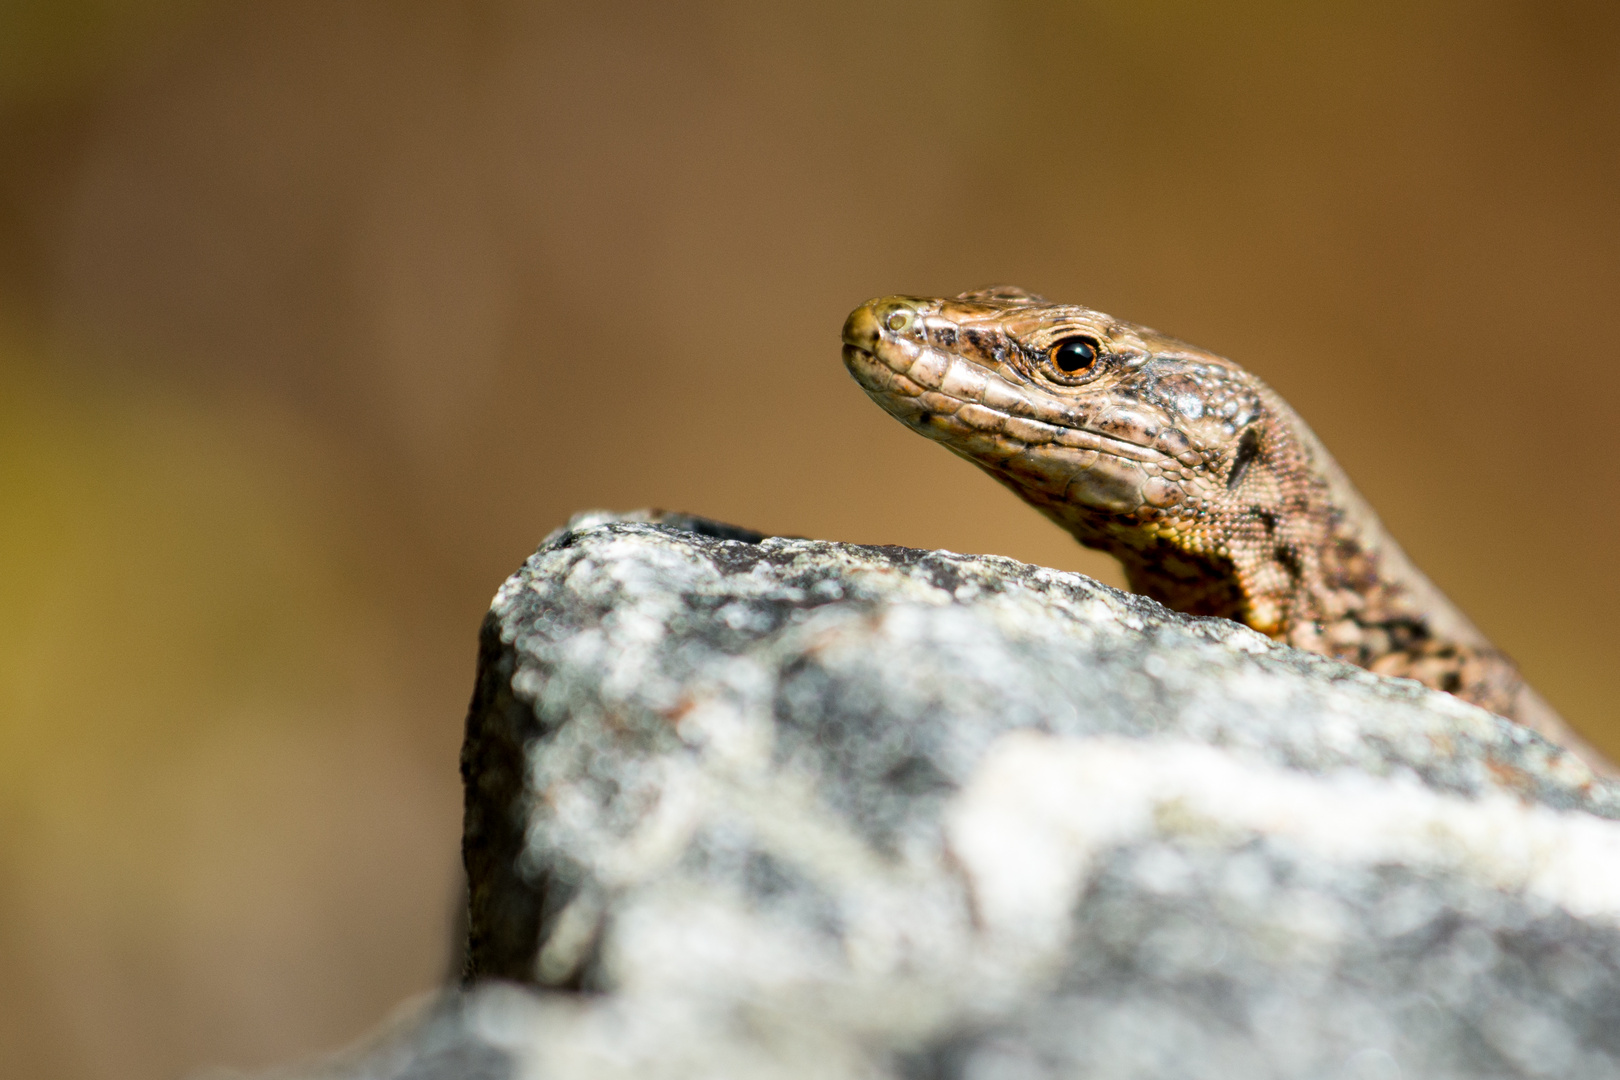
(315, 318)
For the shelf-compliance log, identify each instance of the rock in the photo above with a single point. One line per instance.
(742, 806)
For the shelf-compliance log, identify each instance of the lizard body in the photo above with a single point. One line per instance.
(1212, 493)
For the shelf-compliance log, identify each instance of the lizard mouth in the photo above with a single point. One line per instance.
(939, 402)
(954, 403)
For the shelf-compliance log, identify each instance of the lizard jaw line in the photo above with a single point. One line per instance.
(886, 384)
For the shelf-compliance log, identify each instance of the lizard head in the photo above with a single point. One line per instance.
(1213, 494)
(1135, 442)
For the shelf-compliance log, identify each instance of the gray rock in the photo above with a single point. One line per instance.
(756, 807)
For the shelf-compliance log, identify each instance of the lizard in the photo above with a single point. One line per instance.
(1209, 489)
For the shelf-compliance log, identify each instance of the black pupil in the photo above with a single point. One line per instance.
(1074, 354)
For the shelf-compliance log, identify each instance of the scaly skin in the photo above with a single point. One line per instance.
(1212, 493)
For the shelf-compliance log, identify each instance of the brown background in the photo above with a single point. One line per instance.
(315, 317)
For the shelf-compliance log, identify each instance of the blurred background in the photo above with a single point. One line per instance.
(315, 318)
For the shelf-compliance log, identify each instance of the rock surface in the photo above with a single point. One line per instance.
(762, 807)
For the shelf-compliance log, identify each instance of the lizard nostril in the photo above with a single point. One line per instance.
(897, 314)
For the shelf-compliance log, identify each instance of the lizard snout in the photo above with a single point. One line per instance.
(868, 323)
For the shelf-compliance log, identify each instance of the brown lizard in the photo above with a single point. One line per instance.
(1208, 488)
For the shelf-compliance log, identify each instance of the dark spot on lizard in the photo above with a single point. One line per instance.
(982, 342)
(1405, 634)
(1248, 448)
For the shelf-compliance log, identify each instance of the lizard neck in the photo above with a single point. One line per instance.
(1302, 557)
(1294, 551)
(1364, 582)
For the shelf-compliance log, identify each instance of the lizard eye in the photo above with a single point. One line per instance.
(1073, 355)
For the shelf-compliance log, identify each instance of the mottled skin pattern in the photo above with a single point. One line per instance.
(1212, 493)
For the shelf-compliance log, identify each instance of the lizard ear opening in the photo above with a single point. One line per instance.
(1003, 294)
